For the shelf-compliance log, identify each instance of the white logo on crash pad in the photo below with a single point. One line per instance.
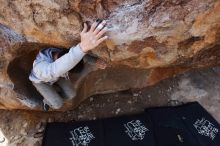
(206, 128)
(81, 136)
(135, 130)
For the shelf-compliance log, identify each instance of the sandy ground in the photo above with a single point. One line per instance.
(25, 128)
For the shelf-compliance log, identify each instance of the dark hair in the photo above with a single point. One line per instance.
(63, 52)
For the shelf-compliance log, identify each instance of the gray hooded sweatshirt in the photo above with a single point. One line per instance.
(46, 70)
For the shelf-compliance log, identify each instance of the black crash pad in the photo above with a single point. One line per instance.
(186, 125)
(135, 130)
(130, 130)
(86, 133)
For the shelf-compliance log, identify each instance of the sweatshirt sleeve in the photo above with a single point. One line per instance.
(60, 66)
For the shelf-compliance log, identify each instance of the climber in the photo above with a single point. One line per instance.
(52, 65)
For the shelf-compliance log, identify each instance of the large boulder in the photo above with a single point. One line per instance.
(149, 40)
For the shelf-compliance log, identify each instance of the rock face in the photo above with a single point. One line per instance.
(150, 40)
(190, 86)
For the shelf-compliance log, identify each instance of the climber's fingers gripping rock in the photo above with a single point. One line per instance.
(92, 38)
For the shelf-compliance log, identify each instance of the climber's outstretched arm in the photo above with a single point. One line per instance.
(89, 40)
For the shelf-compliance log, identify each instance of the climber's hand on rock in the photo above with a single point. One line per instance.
(92, 38)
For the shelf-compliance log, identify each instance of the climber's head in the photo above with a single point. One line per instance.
(63, 52)
(57, 55)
